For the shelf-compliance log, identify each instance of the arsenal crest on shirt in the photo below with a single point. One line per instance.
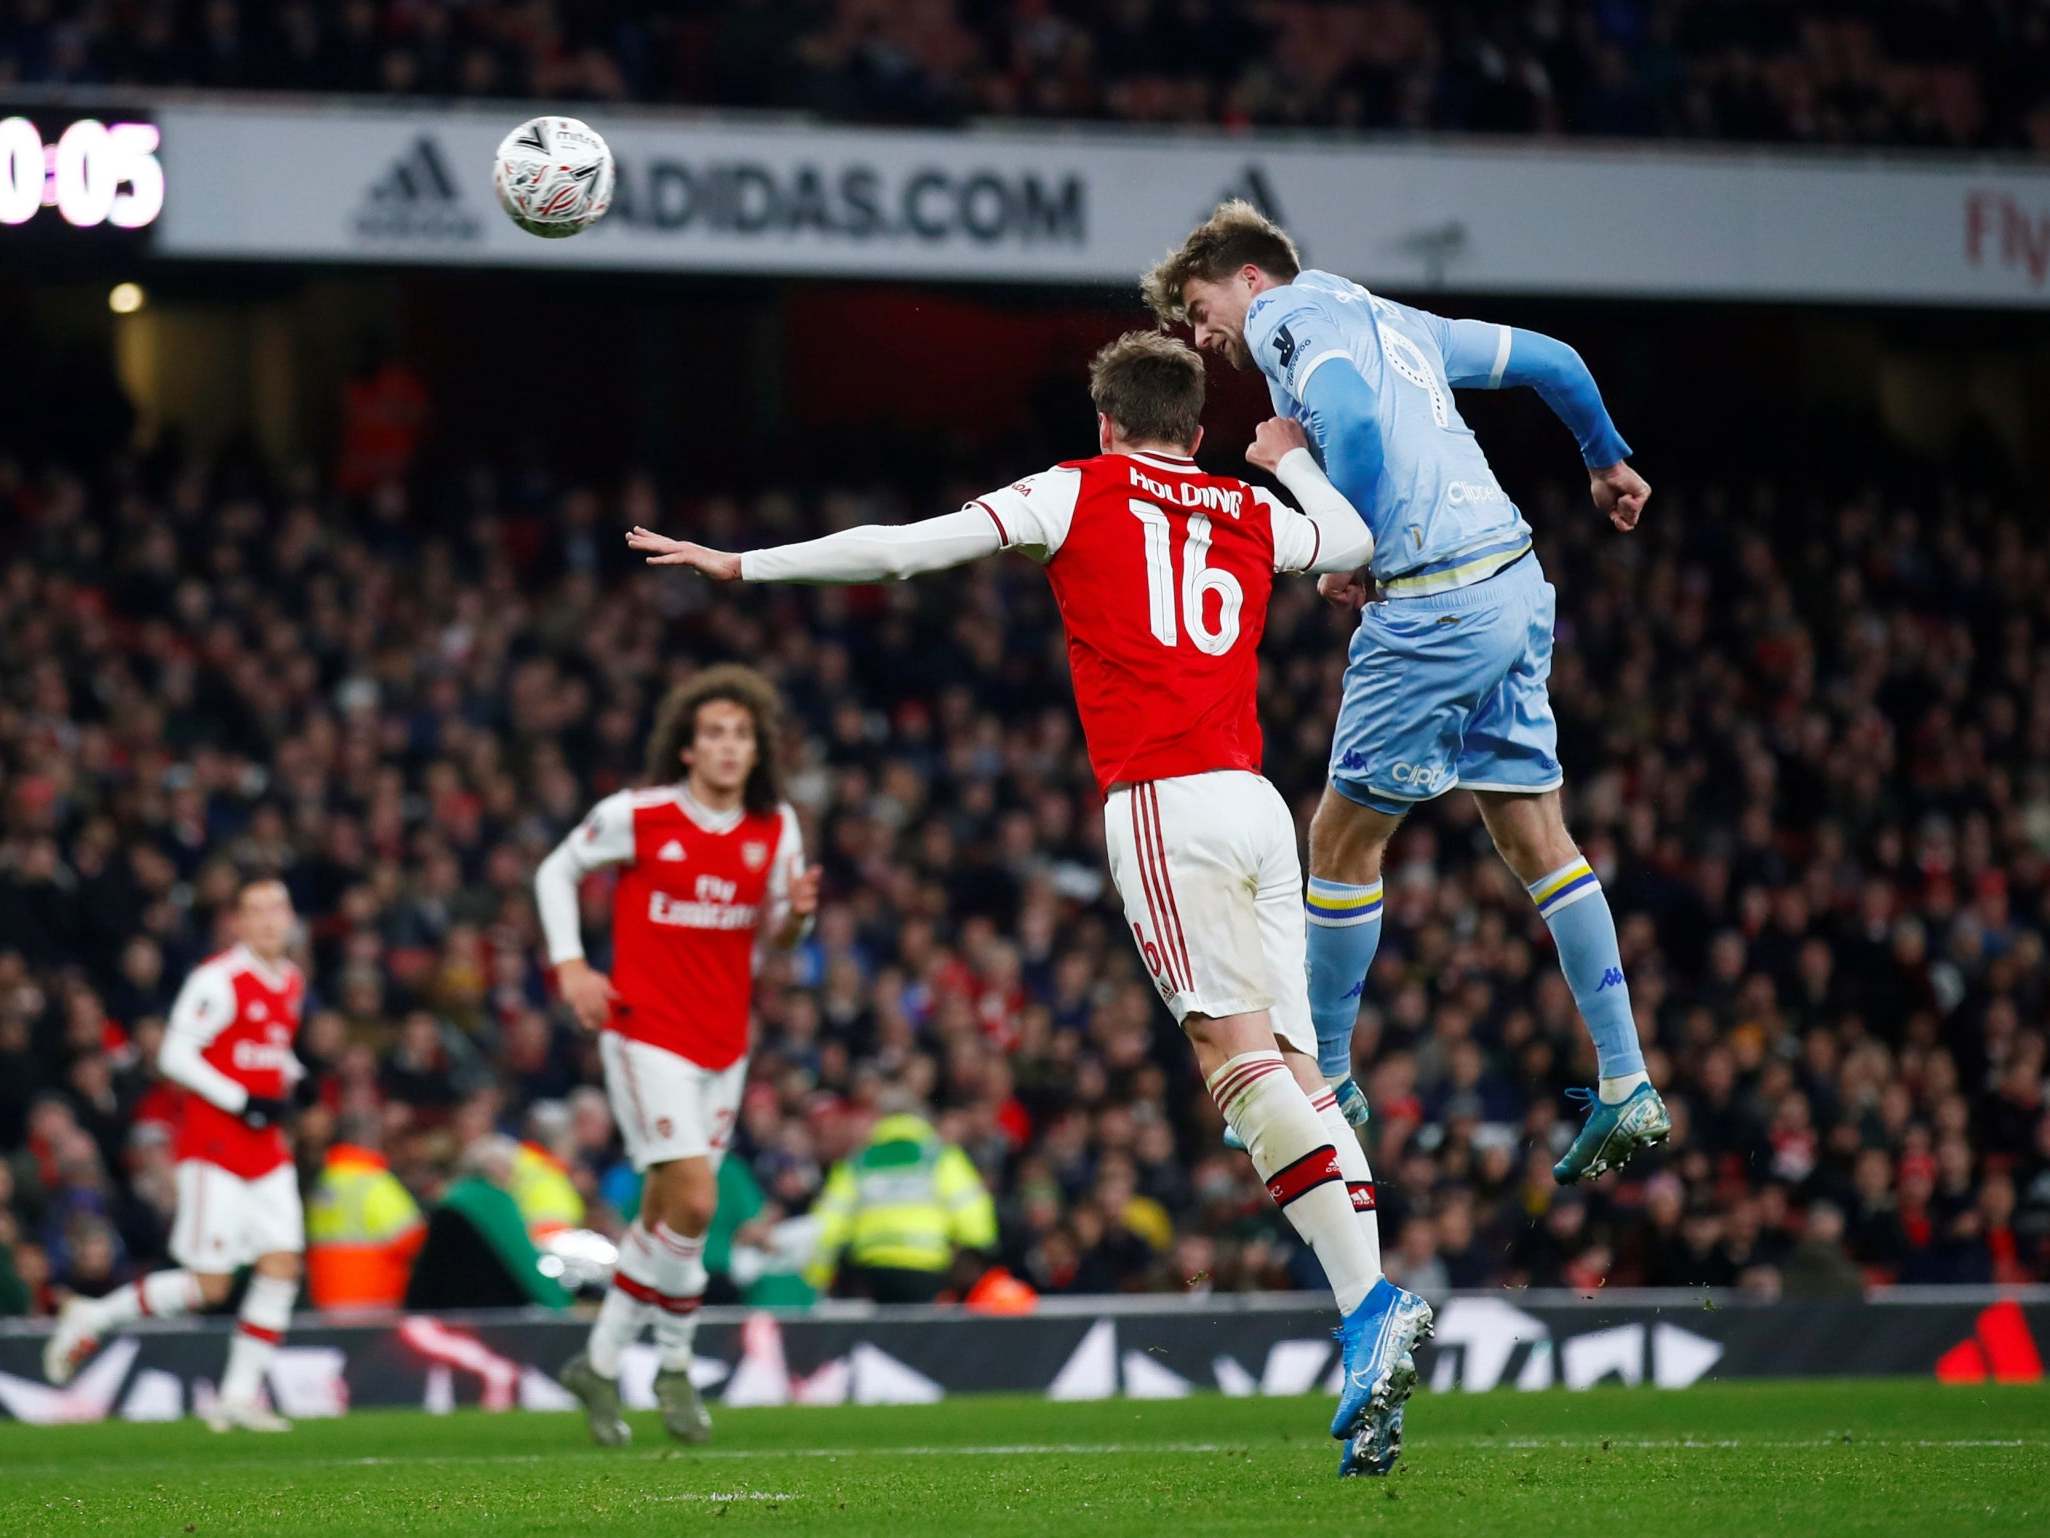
(755, 852)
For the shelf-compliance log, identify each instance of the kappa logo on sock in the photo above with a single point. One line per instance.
(1357, 989)
(1613, 978)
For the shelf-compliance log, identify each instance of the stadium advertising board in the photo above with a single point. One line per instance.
(409, 187)
(1135, 1350)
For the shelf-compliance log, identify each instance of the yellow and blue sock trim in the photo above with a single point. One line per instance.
(1564, 887)
(1334, 905)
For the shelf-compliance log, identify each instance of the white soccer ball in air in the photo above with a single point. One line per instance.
(554, 176)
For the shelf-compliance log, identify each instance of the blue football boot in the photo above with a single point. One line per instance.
(1612, 1134)
(1374, 1447)
(1377, 1340)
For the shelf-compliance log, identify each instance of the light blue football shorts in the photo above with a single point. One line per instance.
(1449, 690)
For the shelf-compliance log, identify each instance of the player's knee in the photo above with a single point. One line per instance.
(1201, 1031)
(1347, 840)
(683, 1200)
(1531, 835)
(282, 1265)
(213, 1289)
(1218, 1038)
(690, 1212)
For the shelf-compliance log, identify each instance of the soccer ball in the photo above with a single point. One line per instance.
(554, 176)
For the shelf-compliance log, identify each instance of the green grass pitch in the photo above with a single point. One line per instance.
(1822, 1460)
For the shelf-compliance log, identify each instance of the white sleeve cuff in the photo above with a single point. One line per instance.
(1501, 360)
(1303, 380)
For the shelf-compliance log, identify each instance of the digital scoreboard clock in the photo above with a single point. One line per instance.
(62, 174)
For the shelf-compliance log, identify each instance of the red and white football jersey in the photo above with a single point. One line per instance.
(1162, 573)
(696, 891)
(234, 1021)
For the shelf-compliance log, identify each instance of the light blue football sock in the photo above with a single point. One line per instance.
(1345, 931)
(1572, 904)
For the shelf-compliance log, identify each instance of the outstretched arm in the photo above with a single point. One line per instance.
(873, 553)
(1031, 515)
(1483, 356)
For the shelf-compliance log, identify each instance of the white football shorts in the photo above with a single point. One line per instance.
(225, 1222)
(1213, 892)
(667, 1106)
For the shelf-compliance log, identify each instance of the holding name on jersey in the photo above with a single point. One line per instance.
(1163, 573)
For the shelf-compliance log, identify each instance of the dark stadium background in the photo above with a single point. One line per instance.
(1804, 711)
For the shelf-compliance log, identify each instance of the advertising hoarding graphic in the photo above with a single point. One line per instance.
(1049, 206)
(419, 197)
(507, 1361)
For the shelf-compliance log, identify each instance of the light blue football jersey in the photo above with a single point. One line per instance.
(1439, 517)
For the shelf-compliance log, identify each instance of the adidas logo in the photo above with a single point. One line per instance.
(417, 198)
(673, 850)
(1253, 186)
(2000, 1347)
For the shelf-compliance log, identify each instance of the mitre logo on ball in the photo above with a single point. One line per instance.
(554, 176)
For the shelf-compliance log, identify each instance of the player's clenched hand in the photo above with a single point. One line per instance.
(661, 550)
(804, 893)
(588, 992)
(1347, 589)
(1620, 492)
(1273, 440)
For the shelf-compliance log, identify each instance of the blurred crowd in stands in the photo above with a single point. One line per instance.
(1942, 73)
(1807, 736)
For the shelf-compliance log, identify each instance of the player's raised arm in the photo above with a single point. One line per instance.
(1031, 515)
(1480, 355)
(1328, 535)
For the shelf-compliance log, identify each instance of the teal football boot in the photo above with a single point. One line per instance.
(1612, 1134)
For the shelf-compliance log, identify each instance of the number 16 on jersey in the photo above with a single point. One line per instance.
(1198, 581)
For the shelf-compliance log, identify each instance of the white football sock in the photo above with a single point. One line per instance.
(1287, 1142)
(684, 1277)
(1619, 1089)
(160, 1295)
(259, 1330)
(629, 1301)
(1358, 1173)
